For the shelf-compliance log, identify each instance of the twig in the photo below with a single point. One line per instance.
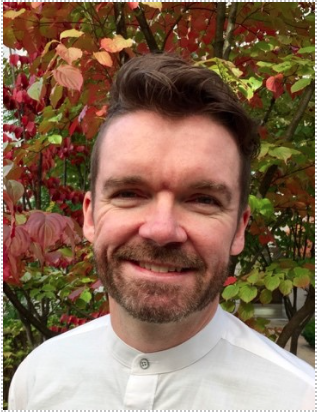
(303, 104)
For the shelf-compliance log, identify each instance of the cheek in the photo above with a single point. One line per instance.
(212, 241)
(114, 230)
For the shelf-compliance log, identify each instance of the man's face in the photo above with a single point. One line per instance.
(165, 218)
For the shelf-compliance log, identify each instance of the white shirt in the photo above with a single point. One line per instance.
(226, 366)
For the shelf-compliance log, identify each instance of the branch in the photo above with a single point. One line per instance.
(171, 30)
(229, 34)
(218, 43)
(121, 28)
(307, 309)
(303, 104)
(145, 29)
(267, 115)
(25, 312)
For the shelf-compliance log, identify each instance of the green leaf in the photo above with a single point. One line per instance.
(284, 66)
(265, 296)
(66, 252)
(34, 91)
(301, 84)
(34, 292)
(253, 203)
(86, 296)
(254, 277)
(266, 208)
(64, 293)
(302, 277)
(246, 311)
(86, 280)
(49, 295)
(307, 49)
(271, 282)
(264, 46)
(230, 292)
(56, 95)
(55, 139)
(228, 306)
(285, 287)
(264, 149)
(56, 118)
(48, 288)
(255, 82)
(283, 153)
(248, 293)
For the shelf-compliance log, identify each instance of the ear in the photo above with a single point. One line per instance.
(88, 224)
(239, 240)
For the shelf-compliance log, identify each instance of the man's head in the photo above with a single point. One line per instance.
(167, 211)
(171, 87)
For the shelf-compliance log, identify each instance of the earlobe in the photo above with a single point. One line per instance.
(239, 238)
(88, 224)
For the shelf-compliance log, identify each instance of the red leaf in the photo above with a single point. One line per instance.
(133, 4)
(20, 242)
(230, 281)
(73, 126)
(14, 59)
(45, 228)
(68, 76)
(76, 293)
(275, 85)
(68, 54)
(96, 285)
(266, 238)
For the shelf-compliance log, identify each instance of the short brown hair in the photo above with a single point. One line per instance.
(172, 87)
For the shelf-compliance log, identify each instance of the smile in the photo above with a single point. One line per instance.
(159, 269)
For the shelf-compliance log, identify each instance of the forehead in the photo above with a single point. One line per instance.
(147, 143)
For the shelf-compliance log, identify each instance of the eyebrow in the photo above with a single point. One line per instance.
(202, 185)
(114, 182)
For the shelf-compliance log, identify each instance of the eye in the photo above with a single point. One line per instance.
(205, 200)
(126, 195)
(127, 198)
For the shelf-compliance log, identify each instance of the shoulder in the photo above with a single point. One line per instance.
(240, 336)
(87, 336)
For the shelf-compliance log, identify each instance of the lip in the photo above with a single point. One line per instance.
(147, 274)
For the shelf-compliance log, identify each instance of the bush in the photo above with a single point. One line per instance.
(309, 332)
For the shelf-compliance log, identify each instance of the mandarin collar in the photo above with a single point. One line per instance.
(172, 359)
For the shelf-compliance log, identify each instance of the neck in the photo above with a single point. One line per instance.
(150, 337)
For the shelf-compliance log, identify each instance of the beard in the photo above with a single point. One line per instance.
(155, 301)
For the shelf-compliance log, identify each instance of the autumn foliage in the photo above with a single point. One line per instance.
(63, 58)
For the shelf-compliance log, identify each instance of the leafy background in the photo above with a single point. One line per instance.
(63, 57)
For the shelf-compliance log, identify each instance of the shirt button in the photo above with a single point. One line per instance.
(144, 364)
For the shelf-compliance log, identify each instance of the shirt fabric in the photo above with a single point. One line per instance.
(226, 366)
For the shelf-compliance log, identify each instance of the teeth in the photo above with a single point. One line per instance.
(159, 269)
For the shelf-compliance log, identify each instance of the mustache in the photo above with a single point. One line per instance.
(147, 252)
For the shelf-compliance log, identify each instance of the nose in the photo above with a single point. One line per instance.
(162, 224)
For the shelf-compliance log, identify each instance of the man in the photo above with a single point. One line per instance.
(167, 207)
